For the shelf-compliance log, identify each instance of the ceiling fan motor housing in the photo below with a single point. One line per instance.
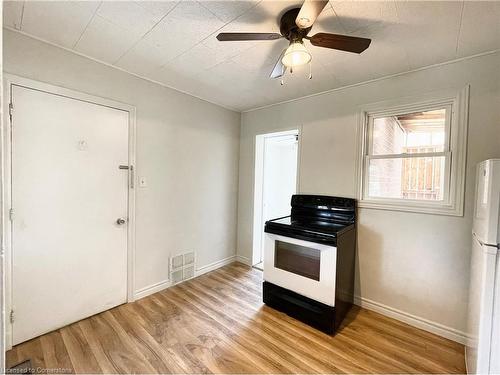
(289, 28)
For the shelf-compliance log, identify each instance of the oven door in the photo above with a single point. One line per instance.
(304, 267)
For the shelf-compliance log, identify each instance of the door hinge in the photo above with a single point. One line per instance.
(11, 214)
(12, 316)
(11, 110)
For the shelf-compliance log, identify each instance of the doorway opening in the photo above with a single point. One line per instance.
(276, 158)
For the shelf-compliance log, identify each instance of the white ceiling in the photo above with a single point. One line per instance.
(173, 42)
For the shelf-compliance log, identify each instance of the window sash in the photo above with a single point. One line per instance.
(446, 153)
(407, 155)
(411, 202)
(447, 125)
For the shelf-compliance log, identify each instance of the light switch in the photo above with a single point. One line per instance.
(142, 182)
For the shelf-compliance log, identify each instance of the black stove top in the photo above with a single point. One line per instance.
(315, 218)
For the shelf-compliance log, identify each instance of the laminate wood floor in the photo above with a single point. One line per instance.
(217, 323)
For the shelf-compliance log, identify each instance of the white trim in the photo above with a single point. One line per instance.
(243, 259)
(413, 320)
(492, 52)
(131, 227)
(118, 68)
(9, 80)
(2, 224)
(453, 200)
(466, 356)
(258, 193)
(151, 289)
(213, 266)
(158, 287)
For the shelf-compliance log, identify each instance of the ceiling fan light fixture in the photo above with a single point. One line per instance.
(295, 55)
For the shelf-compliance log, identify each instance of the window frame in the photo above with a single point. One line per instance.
(455, 148)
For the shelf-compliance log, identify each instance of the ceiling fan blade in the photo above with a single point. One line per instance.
(340, 42)
(309, 11)
(223, 37)
(279, 69)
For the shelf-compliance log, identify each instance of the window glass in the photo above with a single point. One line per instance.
(420, 132)
(419, 178)
(392, 171)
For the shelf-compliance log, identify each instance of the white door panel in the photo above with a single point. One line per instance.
(69, 255)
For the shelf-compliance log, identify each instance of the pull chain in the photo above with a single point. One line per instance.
(282, 81)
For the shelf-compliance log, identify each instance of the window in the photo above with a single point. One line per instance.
(407, 158)
(413, 156)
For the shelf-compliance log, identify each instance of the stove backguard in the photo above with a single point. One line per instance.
(323, 208)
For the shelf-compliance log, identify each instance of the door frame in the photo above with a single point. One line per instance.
(258, 199)
(6, 182)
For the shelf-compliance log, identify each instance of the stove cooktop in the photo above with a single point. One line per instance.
(315, 218)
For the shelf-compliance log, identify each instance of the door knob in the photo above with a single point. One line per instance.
(121, 221)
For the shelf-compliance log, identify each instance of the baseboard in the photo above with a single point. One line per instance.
(244, 260)
(413, 320)
(150, 289)
(154, 288)
(215, 265)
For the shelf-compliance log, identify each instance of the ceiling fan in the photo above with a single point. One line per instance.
(295, 24)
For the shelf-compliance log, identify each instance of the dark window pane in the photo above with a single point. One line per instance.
(300, 260)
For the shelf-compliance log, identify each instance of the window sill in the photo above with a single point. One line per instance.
(441, 209)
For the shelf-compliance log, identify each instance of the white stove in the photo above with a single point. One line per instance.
(309, 260)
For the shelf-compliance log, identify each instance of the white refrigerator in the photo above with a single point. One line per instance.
(483, 346)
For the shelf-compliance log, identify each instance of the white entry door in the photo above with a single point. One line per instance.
(69, 253)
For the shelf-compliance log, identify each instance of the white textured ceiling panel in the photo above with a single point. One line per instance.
(358, 16)
(228, 13)
(158, 8)
(480, 29)
(145, 58)
(173, 42)
(12, 13)
(60, 22)
(105, 40)
(184, 27)
(429, 33)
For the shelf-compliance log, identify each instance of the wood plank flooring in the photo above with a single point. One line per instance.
(217, 323)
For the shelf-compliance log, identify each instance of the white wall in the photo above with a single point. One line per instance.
(416, 263)
(187, 149)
